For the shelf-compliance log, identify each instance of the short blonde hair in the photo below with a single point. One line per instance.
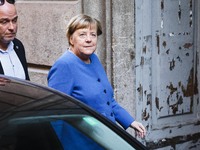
(82, 21)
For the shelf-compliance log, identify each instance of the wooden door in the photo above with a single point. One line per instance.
(166, 72)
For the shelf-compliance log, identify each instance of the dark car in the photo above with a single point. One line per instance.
(35, 117)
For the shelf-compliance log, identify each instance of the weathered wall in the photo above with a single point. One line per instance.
(167, 41)
(124, 53)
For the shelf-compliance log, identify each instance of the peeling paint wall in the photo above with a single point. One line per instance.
(166, 72)
(176, 57)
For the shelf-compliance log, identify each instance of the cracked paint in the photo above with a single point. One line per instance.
(145, 115)
(187, 45)
(172, 64)
(192, 86)
(168, 80)
(158, 43)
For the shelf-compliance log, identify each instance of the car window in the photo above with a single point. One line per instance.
(73, 131)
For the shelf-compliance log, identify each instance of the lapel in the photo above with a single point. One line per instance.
(1, 69)
(18, 52)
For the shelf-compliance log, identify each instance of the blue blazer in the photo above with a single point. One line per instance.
(89, 84)
(19, 49)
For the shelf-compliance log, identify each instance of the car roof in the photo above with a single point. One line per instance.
(19, 94)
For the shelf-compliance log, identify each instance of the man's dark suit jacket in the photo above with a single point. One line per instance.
(19, 49)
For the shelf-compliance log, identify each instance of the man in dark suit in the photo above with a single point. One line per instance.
(12, 54)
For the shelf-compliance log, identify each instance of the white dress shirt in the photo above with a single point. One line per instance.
(11, 63)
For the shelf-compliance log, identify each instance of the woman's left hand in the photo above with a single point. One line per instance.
(139, 128)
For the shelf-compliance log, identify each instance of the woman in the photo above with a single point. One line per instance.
(79, 73)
